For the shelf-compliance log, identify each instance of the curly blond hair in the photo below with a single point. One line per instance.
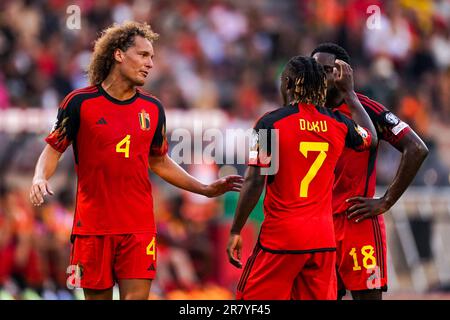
(118, 36)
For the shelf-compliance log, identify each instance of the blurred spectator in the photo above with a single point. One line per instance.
(393, 38)
(440, 46)
(4, 96)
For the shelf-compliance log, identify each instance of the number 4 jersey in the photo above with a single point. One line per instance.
(112, 140)
(297, 204)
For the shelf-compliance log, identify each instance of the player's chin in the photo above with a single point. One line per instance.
(139, 81)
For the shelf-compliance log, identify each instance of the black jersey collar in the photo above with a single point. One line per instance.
(114, 100)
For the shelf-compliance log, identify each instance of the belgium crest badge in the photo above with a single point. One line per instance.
(144, 120)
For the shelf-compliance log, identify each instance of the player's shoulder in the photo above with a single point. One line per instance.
(77, 96)
(149, 97)
(370, 104)
(270, 117)
(333, 114)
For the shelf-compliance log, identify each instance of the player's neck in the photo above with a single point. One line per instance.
(335, 101)
(291, 101)
(118, 88)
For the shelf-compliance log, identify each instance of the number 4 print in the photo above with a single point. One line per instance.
(124, 146)
(151, 248)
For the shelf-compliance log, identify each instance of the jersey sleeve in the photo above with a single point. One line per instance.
(260, 153)
(159, 146)
(67, 124)
(357, 138)
(389, 127)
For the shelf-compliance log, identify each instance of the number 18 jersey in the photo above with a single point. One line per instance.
(297, 204)
(112, 140)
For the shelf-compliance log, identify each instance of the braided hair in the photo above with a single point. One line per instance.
(309, 80)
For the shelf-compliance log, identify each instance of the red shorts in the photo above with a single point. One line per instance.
(98, 261)
(361, 253)
(275, 276)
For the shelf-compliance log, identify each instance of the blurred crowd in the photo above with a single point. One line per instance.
(212, 55)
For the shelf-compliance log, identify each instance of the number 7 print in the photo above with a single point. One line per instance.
(305, 147)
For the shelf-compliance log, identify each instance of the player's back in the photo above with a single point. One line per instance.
(297, 205)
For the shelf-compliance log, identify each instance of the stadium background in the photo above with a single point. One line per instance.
(218, 62)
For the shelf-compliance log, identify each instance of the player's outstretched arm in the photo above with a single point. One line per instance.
(414, 151)
(344, 82)
(170, 171)
(45, 168)
(251, 191)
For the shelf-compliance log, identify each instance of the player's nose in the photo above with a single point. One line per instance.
(149, 63)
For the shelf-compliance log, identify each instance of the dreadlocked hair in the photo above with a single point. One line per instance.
(118, 36)
(309, 80)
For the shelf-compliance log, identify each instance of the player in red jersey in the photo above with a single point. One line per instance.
(358, 220)
(117, 132)
(294, 257)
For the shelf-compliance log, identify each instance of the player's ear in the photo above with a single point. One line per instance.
(118, 55)
(289, 83)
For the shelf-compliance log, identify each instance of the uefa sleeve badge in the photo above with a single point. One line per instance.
(391, 119)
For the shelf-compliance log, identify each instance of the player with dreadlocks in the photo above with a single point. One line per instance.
(358, 217)
(294, 257)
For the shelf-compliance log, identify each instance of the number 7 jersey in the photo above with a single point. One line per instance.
(112, 140)
(297, 204)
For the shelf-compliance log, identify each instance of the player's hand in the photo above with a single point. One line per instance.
(225, 184)
(343, 76)
(234, 250)
(38, 191)
(364, 208)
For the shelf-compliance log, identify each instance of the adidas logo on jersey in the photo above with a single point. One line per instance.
(151, 268)
(101, 121)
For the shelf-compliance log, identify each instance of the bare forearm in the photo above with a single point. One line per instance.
(413, 156)
(344, 83)
(47, 164)
(359, 115)
(171, 172)
(45, 168)
(248, 198)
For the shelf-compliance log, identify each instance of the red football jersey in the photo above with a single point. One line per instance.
(297, 205)
(355, 171)
(112, 140)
